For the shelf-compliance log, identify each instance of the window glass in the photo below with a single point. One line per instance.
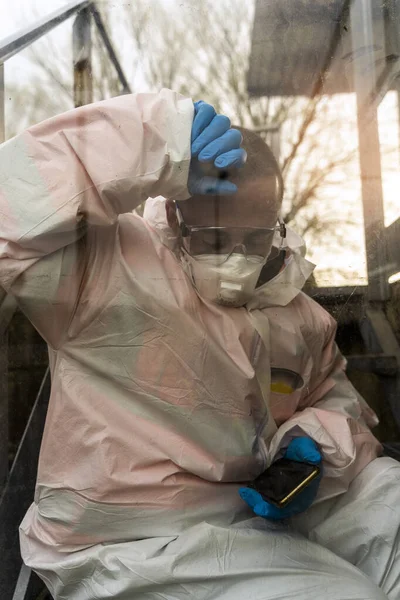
(199, 299)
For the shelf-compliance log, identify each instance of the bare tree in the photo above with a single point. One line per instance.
(202, 49)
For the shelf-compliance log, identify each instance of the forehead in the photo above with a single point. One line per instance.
(255, 204)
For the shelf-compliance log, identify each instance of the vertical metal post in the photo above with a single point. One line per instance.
(2, 101)
(82, 58)
(365, 78)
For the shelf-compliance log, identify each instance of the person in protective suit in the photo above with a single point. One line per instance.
(185, 359)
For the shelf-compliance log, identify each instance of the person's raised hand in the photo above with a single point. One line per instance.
(213, 141)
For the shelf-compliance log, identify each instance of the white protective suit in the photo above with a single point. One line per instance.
(161, 403)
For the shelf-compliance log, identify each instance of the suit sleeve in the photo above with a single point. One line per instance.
(79, 170)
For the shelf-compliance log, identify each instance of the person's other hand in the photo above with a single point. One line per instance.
(213, 141)
(302, 449)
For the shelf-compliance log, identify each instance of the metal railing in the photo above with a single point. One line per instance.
(85, 12)
(17, 484)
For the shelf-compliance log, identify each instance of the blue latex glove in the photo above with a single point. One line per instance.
(213, 141)
(302, 449)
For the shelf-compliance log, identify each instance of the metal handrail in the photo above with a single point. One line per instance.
(23, 38)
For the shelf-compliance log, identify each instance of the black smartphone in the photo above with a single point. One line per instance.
(284, 480)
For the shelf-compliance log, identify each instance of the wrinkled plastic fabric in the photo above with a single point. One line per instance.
(349, 551)
(163, 404)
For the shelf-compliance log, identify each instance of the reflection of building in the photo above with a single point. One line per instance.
(312, 47)
(304, 47)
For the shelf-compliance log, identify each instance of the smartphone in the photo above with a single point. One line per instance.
(284, 480)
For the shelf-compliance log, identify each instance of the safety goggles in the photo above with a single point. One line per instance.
(223, 241)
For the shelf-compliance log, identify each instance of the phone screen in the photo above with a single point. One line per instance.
(283, 480)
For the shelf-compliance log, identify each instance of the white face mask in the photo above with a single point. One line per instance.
(231, 283)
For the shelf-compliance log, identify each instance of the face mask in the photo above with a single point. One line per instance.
(231, 283)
